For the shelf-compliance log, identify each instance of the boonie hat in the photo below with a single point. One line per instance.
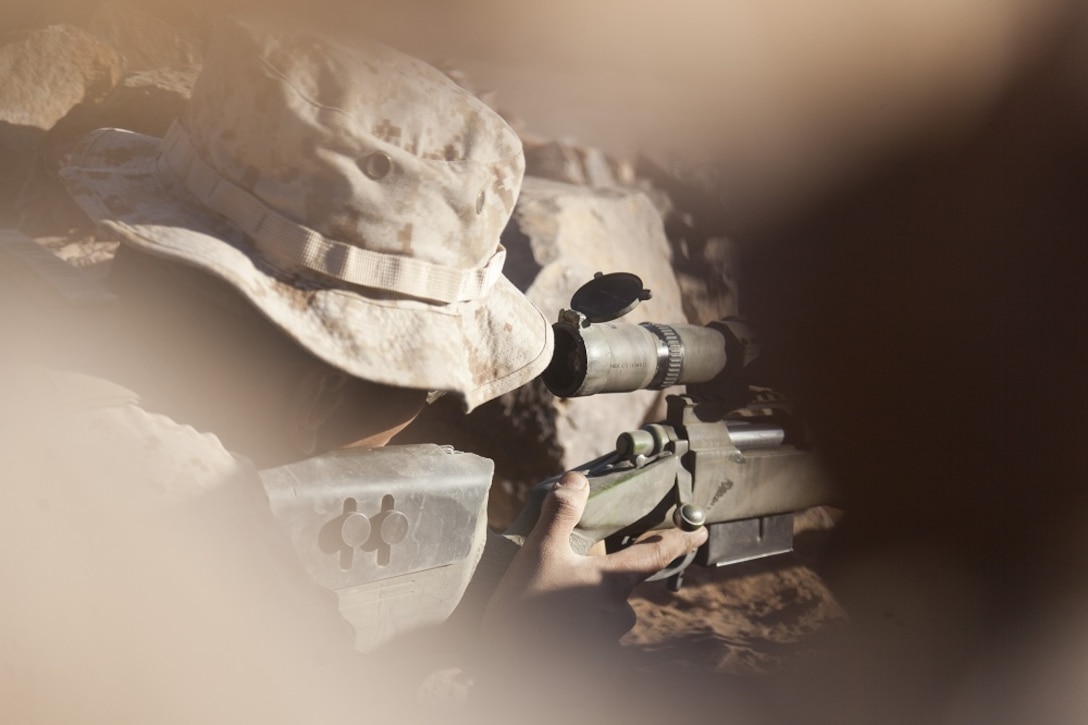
(353, 194)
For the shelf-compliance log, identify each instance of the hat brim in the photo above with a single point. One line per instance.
(477, 349)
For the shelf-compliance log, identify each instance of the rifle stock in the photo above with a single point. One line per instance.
(394, 532)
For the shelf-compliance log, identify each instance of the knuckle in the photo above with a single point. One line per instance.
(565, 507)
(574, 479)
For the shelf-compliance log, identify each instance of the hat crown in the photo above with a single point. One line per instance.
(360, 143)
(354, 196)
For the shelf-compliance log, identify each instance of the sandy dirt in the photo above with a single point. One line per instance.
(749, 618)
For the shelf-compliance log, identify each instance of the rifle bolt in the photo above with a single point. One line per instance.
(689, 517)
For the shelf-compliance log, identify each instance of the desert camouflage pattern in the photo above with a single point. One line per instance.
(355, 195)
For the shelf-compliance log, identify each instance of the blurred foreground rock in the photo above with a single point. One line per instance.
(145, 40)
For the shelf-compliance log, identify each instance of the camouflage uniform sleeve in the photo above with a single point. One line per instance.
(146, 577)
(174, 460)
(100, 432)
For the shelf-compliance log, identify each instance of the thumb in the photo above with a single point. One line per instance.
(560, 511)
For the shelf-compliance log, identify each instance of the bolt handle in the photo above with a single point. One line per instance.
(689, 517)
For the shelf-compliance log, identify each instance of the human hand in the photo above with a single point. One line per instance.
(552, 595)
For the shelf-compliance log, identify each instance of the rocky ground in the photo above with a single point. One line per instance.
(754, 619)
(750, 618)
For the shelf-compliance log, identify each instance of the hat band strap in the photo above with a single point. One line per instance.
(282, 238)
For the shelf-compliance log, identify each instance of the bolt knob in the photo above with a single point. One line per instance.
(635, 443)
(689, 517)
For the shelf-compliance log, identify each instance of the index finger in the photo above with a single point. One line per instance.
(653, 553)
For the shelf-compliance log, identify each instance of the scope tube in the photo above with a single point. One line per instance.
(612, 357)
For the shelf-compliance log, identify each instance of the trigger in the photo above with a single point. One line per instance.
(674, 572)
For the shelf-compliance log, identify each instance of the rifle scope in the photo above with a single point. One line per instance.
(620, 357)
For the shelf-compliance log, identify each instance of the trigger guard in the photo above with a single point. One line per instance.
(678, 565)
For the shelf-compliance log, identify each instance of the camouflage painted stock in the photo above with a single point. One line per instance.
(728, 456)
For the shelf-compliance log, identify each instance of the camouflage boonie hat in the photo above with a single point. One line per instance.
(353, 194)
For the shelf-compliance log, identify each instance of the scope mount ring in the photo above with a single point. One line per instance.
(607, 297)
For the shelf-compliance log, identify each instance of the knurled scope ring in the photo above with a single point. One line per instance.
(671, 354)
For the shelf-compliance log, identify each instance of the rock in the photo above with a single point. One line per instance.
(146, 40)
(19, 150)
(573, 164)
(148, 101)
(597, 168)
(45, 74)
(555, 161)
(559, 237)
(561, 234)
(145, 102)
(48, 72)
(698, 225)
(623, 171)
(42, 207)
(707, 272)
(699, 190)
